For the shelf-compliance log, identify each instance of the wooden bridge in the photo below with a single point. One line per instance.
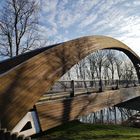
(26, 78)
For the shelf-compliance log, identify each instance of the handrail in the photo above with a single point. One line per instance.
(73, 86)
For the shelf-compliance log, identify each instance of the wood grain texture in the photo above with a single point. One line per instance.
(53, 113)
(23, 85)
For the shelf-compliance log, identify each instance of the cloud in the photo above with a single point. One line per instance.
(68, 19)
(45, 31)
(88, 20)
(136, 3)
(49, 5)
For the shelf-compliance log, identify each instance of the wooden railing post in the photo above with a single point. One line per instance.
(73, 89)
(100, 85)
(117, 84)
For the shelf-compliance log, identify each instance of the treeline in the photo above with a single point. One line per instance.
(103, 65)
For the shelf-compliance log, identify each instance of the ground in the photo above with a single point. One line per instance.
(79, 131)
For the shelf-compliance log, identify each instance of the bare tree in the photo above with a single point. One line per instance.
(111, 57)
(128, 73)
(100, 58)
(92, 66)
(106, 71)
(119, 66)
(18, 27)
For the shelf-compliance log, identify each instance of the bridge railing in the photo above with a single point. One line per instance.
(87, 86)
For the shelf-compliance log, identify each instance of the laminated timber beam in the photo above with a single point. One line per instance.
(25, 82)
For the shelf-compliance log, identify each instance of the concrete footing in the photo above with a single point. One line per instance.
(28, 125)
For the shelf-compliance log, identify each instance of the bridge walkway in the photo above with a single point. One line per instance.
(58, 107)
(66, 89)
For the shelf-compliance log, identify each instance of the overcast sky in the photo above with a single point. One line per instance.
(63, 20)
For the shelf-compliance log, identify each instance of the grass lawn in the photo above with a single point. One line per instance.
(79, 131)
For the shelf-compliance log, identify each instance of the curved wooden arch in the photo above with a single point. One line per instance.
(23, 85)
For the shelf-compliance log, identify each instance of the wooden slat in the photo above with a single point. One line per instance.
(22, 86)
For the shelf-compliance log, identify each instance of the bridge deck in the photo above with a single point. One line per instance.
(55, 112)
